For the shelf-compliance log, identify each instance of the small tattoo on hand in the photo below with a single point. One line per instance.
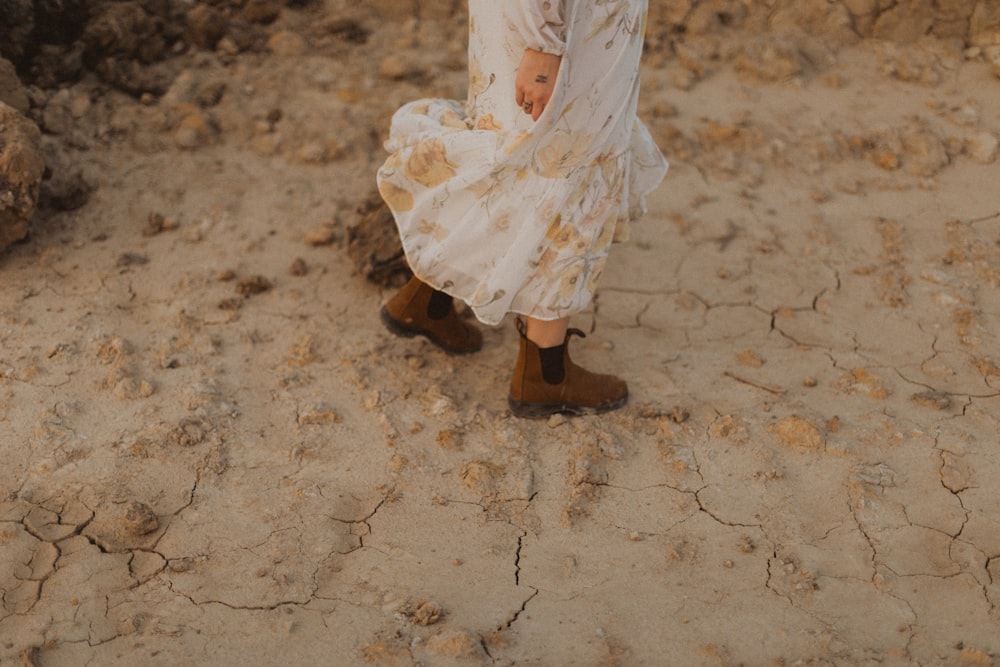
(541, 78)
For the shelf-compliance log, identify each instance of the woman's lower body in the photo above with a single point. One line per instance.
(515, 216)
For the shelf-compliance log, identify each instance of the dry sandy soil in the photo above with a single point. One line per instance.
(213, 453)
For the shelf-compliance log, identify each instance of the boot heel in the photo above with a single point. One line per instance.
(526, 410)
(395, 326)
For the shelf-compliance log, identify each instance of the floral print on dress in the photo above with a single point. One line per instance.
(512, 215)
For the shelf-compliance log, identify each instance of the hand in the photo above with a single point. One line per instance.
(536, 79)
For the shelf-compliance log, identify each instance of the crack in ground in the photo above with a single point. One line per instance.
(234, 607)
(732, 524)
(876, 578)
(487, 510)
(43, 385)
(868, 540)
(769, 583)
(517, 557)
(966, 395)
(55, 545)
(363, 521)
(139, 581)
(798, 343)
(941, 474)
(987, 218)
(524, 606)
(78, 531)
(483, 641)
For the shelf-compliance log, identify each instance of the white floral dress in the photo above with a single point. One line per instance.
(511, 215)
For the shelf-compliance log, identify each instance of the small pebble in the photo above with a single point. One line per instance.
(140, 519)
(557, 420)
(428, 613)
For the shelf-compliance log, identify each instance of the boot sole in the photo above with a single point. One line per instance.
(400, 329)
(527, 410)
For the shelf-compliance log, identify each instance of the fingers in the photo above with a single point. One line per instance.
(536, 77)
(533, 102)
(534, 99)
(533, 109)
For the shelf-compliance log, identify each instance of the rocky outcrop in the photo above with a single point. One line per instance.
(125, 42)
(976, 22)
(21, 169)
(12, 92)
(17, 23)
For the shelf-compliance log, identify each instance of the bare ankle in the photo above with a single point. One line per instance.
(546, 333)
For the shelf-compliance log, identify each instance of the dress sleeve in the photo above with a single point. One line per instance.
(539, 23)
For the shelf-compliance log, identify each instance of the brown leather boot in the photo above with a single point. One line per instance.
(412, 313)
(568, 388)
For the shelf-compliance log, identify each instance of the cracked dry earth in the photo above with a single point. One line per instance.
(214, 454)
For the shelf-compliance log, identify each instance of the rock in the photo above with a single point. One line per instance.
(193, 131)
(670, 13)
(319, 414)
(123, 30)
(925, 153)
(348, 29)
(400, 11)
(396, 67)
(261, 11)
(17, 23)
(974, 656)
(799, 433)
(428, 613)
(183, 90)
(56, 116)
(129, 388)
(982, 147)
(911, 66)
(907, 21)
(243, 36)
(861, 7)
(984, 25)
(951, 19)
(886, 153)
(188, 433)
(140, 519)
(938, 400)
(322, 236)
(287, 43)
(710, 16)
(454, 644)
(54, 65)
(373, 244)
(817, 17)
(65, 188)
(253, 285)
(770, 58)
(21, 170)
(206, 26)
(12, 93)
(436, 11)
(681, 78)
